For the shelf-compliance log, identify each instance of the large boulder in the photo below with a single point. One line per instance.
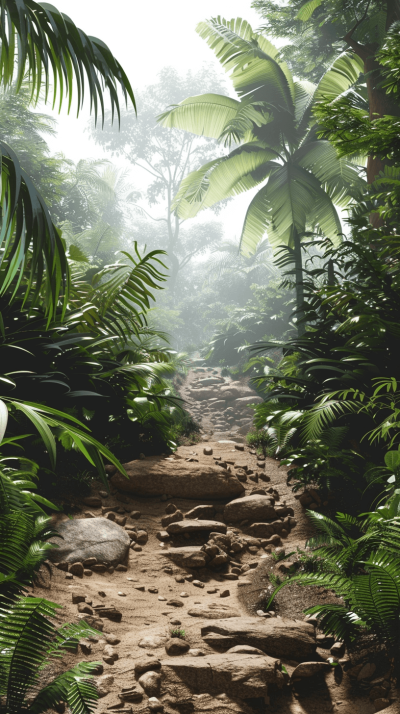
(194, 526)
(290, 639)
(155, 476)
(221, 704)
(243, 676)
(90, 538)
(244, 401)
(203, 393)
(250, 508)
(213, 611)
(236, 391)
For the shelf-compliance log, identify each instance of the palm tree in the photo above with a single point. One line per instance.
(275, 141)
(39, 41)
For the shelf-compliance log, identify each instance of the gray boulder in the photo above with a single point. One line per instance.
(90, 538)
(155, 476)
(187, 556)
(250, 508)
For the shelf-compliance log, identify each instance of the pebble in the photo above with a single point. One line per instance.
(137, 548)
(211, 591)
(135, 514)
(121, 594)
(184, 594)
(151, 589)
(179, 579)
(155, 705)
(224, 593)
(175, 622)
(160, 597)
(175, 602)
(198, 583)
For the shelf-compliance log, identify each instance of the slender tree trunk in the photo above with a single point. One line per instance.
(298, 266)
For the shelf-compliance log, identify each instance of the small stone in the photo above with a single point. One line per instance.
(92, 501)
(142, 588)
(380, 704)
(211, 591)
(174, 602)
(153, 590)
(179, 579)
(155, 705)
(175, 622)
(109, 654)
(84, 607)
(224, 593)
(142, 537)
(89, 514)
(151, 683)
(99, 568)
(207, 451)
(121, 594)
(197, 653)
(103, 494)
(198, 583)
(135, 514)
(77, 597)
(174, 517)
(184, 594)
(175, 647)
(162, 535)
(147, 665)
(69, 576)
(171, 508)
(338, 649)
(76, 569)
(87, 572)
(136, 548)
(121, 568)
(111, 639)
(62, 566)
(111, 516)
(239, 447)
(162, 598)
(230, 576)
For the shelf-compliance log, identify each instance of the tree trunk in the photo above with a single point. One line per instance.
(298, 266)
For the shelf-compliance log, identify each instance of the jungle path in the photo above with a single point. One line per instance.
(154, 590)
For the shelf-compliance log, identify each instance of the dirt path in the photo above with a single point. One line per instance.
(143, 592)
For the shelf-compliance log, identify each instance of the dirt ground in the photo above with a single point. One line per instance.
(146, 613)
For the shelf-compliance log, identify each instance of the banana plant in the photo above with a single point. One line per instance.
(300, 178)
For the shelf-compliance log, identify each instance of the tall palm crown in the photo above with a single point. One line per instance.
(275, 143)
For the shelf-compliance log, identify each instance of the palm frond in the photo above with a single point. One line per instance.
(204, 115)
(73, 687)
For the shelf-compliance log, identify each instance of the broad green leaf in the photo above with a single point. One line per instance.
(307, 10)
(342, 74)
(392, 460)
(204, 115)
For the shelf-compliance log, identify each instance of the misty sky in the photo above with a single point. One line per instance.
(146, 36)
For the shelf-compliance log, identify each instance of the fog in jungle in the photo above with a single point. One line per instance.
(122, 181)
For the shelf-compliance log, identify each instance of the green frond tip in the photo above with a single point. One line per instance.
(52, 50)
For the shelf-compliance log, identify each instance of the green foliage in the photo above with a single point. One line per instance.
(177, 632)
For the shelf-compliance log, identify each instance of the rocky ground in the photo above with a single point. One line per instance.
(185, 547)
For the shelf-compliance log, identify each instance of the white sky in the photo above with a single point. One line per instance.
(146, 36)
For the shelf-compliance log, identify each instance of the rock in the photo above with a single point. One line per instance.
(90, 538)
(129, 694)
(155, 705)
(146, 665)
(77, 597)
(83, 607)
(63, 565)
(174, 602)
(188, 556)
(196, 653)
(224, 593)
(244, 401)
(89, 514)
(109, 654)
(162, 535)
(171, 508)
(104, 685)
(221, 704)
(75, 568)
(198, 584)
(338, 649)
(367, 671)
(377, 692)
(151, 683)
(309, 669)
(252, 508)
(207, 451)
(202, 512)
(121, 568)
(152, 642)
(153, 590)
(380, 704)
(142, 537)
(213, 612)
(89, 562)
(92, 501)
(136, 514)
(195, 527)
(244, 676)
(176, 647)
(111, 639)
(171, 518)
(245, 649)
(156, 476)
(277, 638)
